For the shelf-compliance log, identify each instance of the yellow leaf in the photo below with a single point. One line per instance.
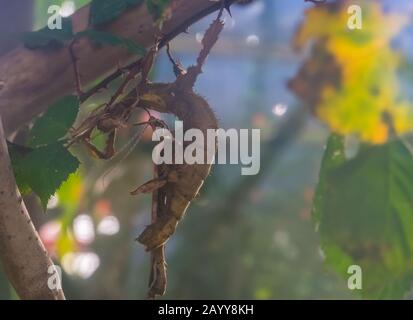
(358, 84)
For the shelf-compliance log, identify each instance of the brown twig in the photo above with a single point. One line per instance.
(164, 41)
(76, 71)
(132, 74)
(51, 71)
(106, 81)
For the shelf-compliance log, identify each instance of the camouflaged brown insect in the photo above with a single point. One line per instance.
(176, 185)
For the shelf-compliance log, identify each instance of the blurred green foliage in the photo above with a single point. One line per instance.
(104, 11)
(364, 210)
(55, 122)
(105, 38)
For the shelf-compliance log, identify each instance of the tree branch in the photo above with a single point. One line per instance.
(22, 253)
(30, 80)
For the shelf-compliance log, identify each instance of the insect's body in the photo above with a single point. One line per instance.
(174, 185)
(183, 181)
(106, 120)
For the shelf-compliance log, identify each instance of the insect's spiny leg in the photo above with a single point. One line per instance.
(129, 147)
(109, 148)
(179, 70)
(158, 277)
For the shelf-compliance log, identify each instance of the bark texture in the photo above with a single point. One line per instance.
(25, 259)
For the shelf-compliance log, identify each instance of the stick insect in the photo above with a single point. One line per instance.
(174, 186)
(111, 116)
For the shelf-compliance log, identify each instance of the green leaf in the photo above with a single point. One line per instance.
(55, 122)
(333, 156)
(105, 38)
(17, 154)
(104, 11)
(49, 38)
(364, 207)
(43, 169)
(70, 193)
